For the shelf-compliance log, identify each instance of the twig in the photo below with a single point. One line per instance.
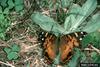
(28, 59)
(7, 64)
(92, 48)
(89, 49)
(97, 50)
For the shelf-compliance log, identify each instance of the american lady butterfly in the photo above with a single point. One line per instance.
(61, 47)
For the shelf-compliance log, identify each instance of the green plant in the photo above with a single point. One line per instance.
(77, 16)
(75, 21)
(18, 5)
(6, 7)
(12, 51)
(10, 4)
(95, 57)
(4, 22)
(93, 38)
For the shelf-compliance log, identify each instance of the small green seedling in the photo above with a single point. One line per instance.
(12, 52)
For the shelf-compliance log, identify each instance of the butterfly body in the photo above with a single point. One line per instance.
(61, 47)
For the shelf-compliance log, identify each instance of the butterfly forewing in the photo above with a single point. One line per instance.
(49, 47)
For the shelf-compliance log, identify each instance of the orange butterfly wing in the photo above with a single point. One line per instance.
(67, 43)
(49, 47)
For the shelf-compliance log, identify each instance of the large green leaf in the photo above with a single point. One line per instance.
(85, 11)
(93, 24)
(76, 17)
(70, 19)
(47, 23)
(68, 22)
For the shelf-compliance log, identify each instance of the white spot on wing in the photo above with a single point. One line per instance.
(42, 39)
(42, 33)
(82, 33)
(80, 39)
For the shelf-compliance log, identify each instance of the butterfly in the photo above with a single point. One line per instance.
(59, 48)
